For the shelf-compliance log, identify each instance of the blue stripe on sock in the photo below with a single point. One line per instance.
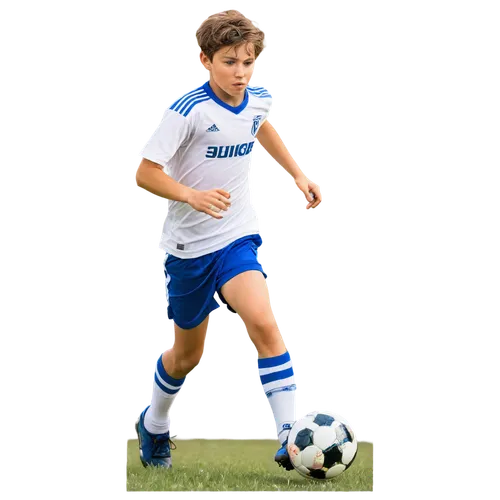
(177, 382)
(271, 377)
(163, 387)
(276, 361)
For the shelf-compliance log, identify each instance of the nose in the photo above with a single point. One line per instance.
(239, 71)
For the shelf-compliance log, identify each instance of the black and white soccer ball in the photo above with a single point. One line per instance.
(321, 445)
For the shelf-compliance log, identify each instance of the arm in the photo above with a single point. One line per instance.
(273, 144)
(152, 178)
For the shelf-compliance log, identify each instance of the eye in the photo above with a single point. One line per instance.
(247, 63)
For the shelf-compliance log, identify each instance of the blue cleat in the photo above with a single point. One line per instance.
(282, 457)
(154, 449)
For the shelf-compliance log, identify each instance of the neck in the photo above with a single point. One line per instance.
(224, 96)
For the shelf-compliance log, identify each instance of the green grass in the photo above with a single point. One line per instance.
(233, 465)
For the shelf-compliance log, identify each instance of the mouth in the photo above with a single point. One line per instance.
(238, 85)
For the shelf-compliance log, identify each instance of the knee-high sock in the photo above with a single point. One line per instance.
(164, 392)
(276, 377)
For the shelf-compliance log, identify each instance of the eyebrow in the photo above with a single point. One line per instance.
(229, 57)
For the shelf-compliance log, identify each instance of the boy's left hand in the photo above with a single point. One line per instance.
(311, 190)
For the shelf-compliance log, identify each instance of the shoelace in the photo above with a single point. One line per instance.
(161, 445)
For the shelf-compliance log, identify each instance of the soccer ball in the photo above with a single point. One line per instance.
(321, 445)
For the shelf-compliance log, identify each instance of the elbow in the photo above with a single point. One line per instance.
(136, 178)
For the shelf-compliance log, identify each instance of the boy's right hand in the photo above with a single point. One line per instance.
(210, 202)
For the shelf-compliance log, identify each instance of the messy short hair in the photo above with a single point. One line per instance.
(226, 29)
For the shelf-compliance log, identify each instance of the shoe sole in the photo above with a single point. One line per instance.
(284, 462)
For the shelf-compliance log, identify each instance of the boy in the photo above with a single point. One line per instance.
(211, 233)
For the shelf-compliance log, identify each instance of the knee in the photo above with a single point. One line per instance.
(186, 363)
(183, 368)
(262, 326)
(265, 335)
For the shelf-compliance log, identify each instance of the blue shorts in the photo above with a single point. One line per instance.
(192, 283)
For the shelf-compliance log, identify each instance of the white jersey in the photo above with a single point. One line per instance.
(204, 143)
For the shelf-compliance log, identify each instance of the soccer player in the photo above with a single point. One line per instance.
(198, 158)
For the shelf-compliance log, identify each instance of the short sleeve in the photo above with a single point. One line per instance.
(173, 130)
(270, 109)
(268, 98)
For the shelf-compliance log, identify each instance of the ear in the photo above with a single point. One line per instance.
(205, 61)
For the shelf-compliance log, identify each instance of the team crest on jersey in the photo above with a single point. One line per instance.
(255, 126)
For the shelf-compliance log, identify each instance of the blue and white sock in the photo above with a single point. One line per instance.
(276, 375)
(165, 388)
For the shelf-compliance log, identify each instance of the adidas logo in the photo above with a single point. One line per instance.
(213, 128)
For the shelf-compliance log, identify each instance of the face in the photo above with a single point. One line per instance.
(231, 65)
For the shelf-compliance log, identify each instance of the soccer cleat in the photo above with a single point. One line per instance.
(282, 457)
(154, 449)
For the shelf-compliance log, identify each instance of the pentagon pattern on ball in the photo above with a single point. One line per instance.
(342, 434)
(304, 438)
(318, 474)
(332, 456)
(322, 419)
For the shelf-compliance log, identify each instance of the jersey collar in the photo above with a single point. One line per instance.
(234, 109)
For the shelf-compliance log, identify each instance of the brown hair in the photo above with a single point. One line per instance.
(228, 28)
